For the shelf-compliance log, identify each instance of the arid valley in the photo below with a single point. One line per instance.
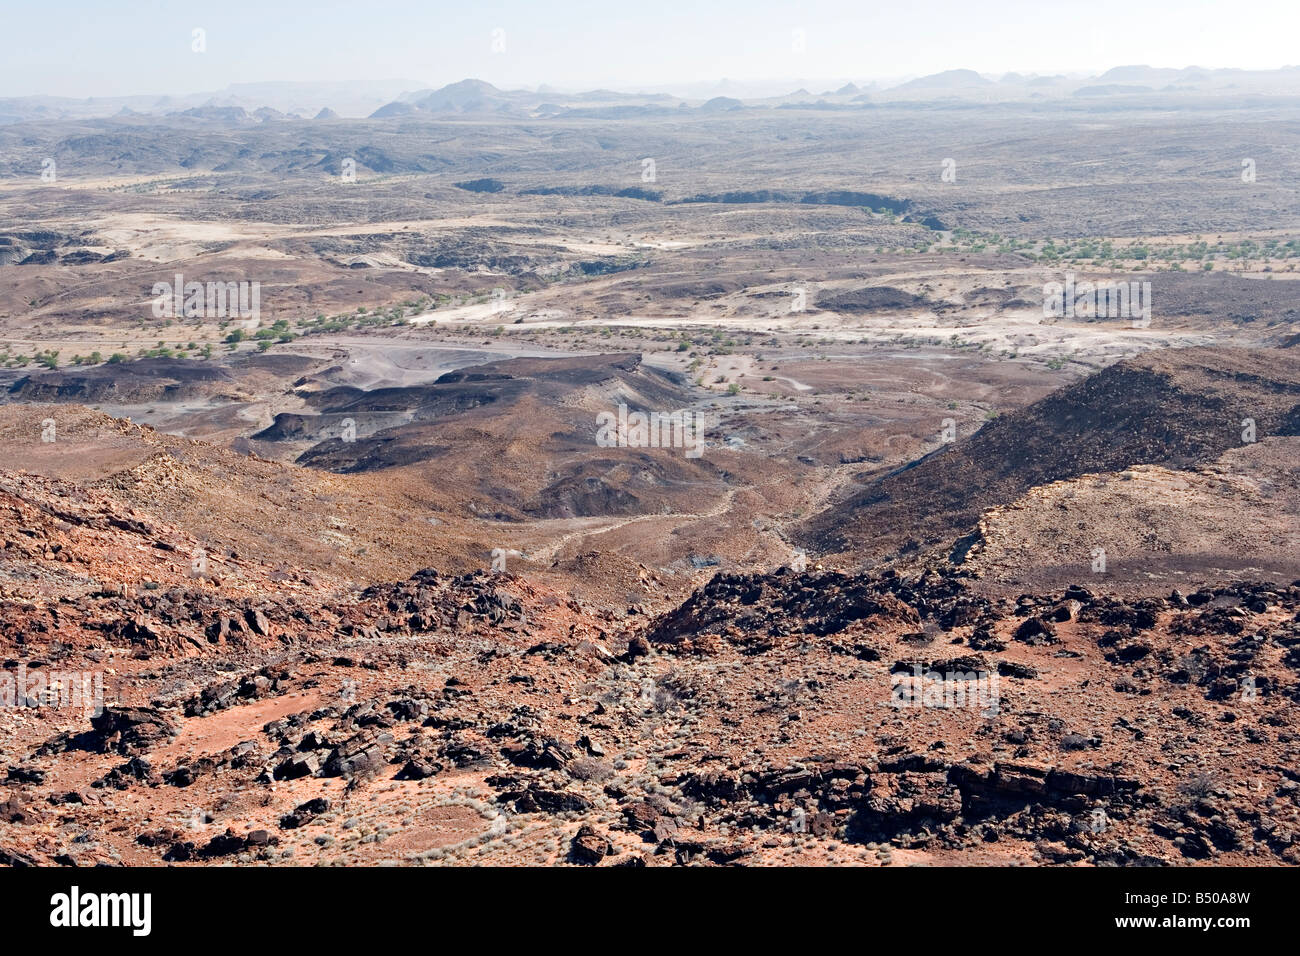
(898, 544)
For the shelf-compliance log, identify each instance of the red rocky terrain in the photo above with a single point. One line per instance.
(822, 716)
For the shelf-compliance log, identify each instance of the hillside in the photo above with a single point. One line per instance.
(1175, 408)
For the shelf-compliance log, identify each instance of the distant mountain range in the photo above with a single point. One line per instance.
(282, 101)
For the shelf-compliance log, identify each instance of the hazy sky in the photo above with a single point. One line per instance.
(93, 47)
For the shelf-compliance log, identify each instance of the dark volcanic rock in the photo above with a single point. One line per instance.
(129, 730)
(589, 846)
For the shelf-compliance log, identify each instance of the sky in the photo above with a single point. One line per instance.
(86, 48)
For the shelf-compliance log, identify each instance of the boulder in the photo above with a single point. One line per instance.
(589, 846)
(129, 730)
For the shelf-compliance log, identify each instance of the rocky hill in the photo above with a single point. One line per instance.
(1175, 408)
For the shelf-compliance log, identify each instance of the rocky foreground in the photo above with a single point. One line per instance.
(254, 716)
